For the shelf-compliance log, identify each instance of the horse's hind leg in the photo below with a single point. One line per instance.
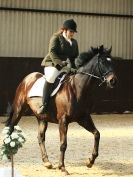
(15, 116)
(42, 127)
(88, 124)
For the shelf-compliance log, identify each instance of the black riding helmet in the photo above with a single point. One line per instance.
(70, 24)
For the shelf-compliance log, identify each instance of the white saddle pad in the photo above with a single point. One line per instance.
(37, 88)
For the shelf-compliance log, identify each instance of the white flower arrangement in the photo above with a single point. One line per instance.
(12, 142)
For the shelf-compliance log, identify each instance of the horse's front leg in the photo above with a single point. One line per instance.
(42, 127)
(88, 124)
(63, 127)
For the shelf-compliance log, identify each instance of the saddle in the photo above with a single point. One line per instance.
(58, 82)
(37, 88)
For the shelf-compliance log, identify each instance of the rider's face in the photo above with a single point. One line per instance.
(69, 34)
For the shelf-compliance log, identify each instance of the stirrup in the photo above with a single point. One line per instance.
(42, 110)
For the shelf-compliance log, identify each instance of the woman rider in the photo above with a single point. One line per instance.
(63, 49)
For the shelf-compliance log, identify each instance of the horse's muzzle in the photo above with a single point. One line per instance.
(111, 80)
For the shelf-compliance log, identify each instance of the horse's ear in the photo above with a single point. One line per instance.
(101, 48)
(109, 50)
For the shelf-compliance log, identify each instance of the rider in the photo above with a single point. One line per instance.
(63, 49)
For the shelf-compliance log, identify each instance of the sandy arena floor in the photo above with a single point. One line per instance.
(115, 153)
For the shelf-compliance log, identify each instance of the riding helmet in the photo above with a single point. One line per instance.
(70, 24)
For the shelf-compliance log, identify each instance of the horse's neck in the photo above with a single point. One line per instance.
(82, 86)
(83, 77)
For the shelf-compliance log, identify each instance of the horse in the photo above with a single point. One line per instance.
(72, 103)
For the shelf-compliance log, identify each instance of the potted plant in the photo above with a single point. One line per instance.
(11, 143)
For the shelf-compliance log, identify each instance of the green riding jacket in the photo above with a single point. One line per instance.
(59, 50)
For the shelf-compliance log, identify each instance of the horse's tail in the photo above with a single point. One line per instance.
(8, 121)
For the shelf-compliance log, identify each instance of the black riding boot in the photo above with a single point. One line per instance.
(47, 90)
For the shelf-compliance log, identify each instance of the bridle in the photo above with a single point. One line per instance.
(102, 79)
(102, 76)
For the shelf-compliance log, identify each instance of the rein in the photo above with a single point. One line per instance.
(102, 79)
(102, 76)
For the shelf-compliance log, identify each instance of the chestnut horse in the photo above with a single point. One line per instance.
(72, 103)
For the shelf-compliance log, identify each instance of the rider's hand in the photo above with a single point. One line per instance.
(64, 63)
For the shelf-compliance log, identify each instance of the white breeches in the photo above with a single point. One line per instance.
(51, 73)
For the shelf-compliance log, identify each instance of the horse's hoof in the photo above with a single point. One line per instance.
(48, 165)
(65, 171)
(89, 164)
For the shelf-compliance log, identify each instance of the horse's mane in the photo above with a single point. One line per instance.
(85, 57)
